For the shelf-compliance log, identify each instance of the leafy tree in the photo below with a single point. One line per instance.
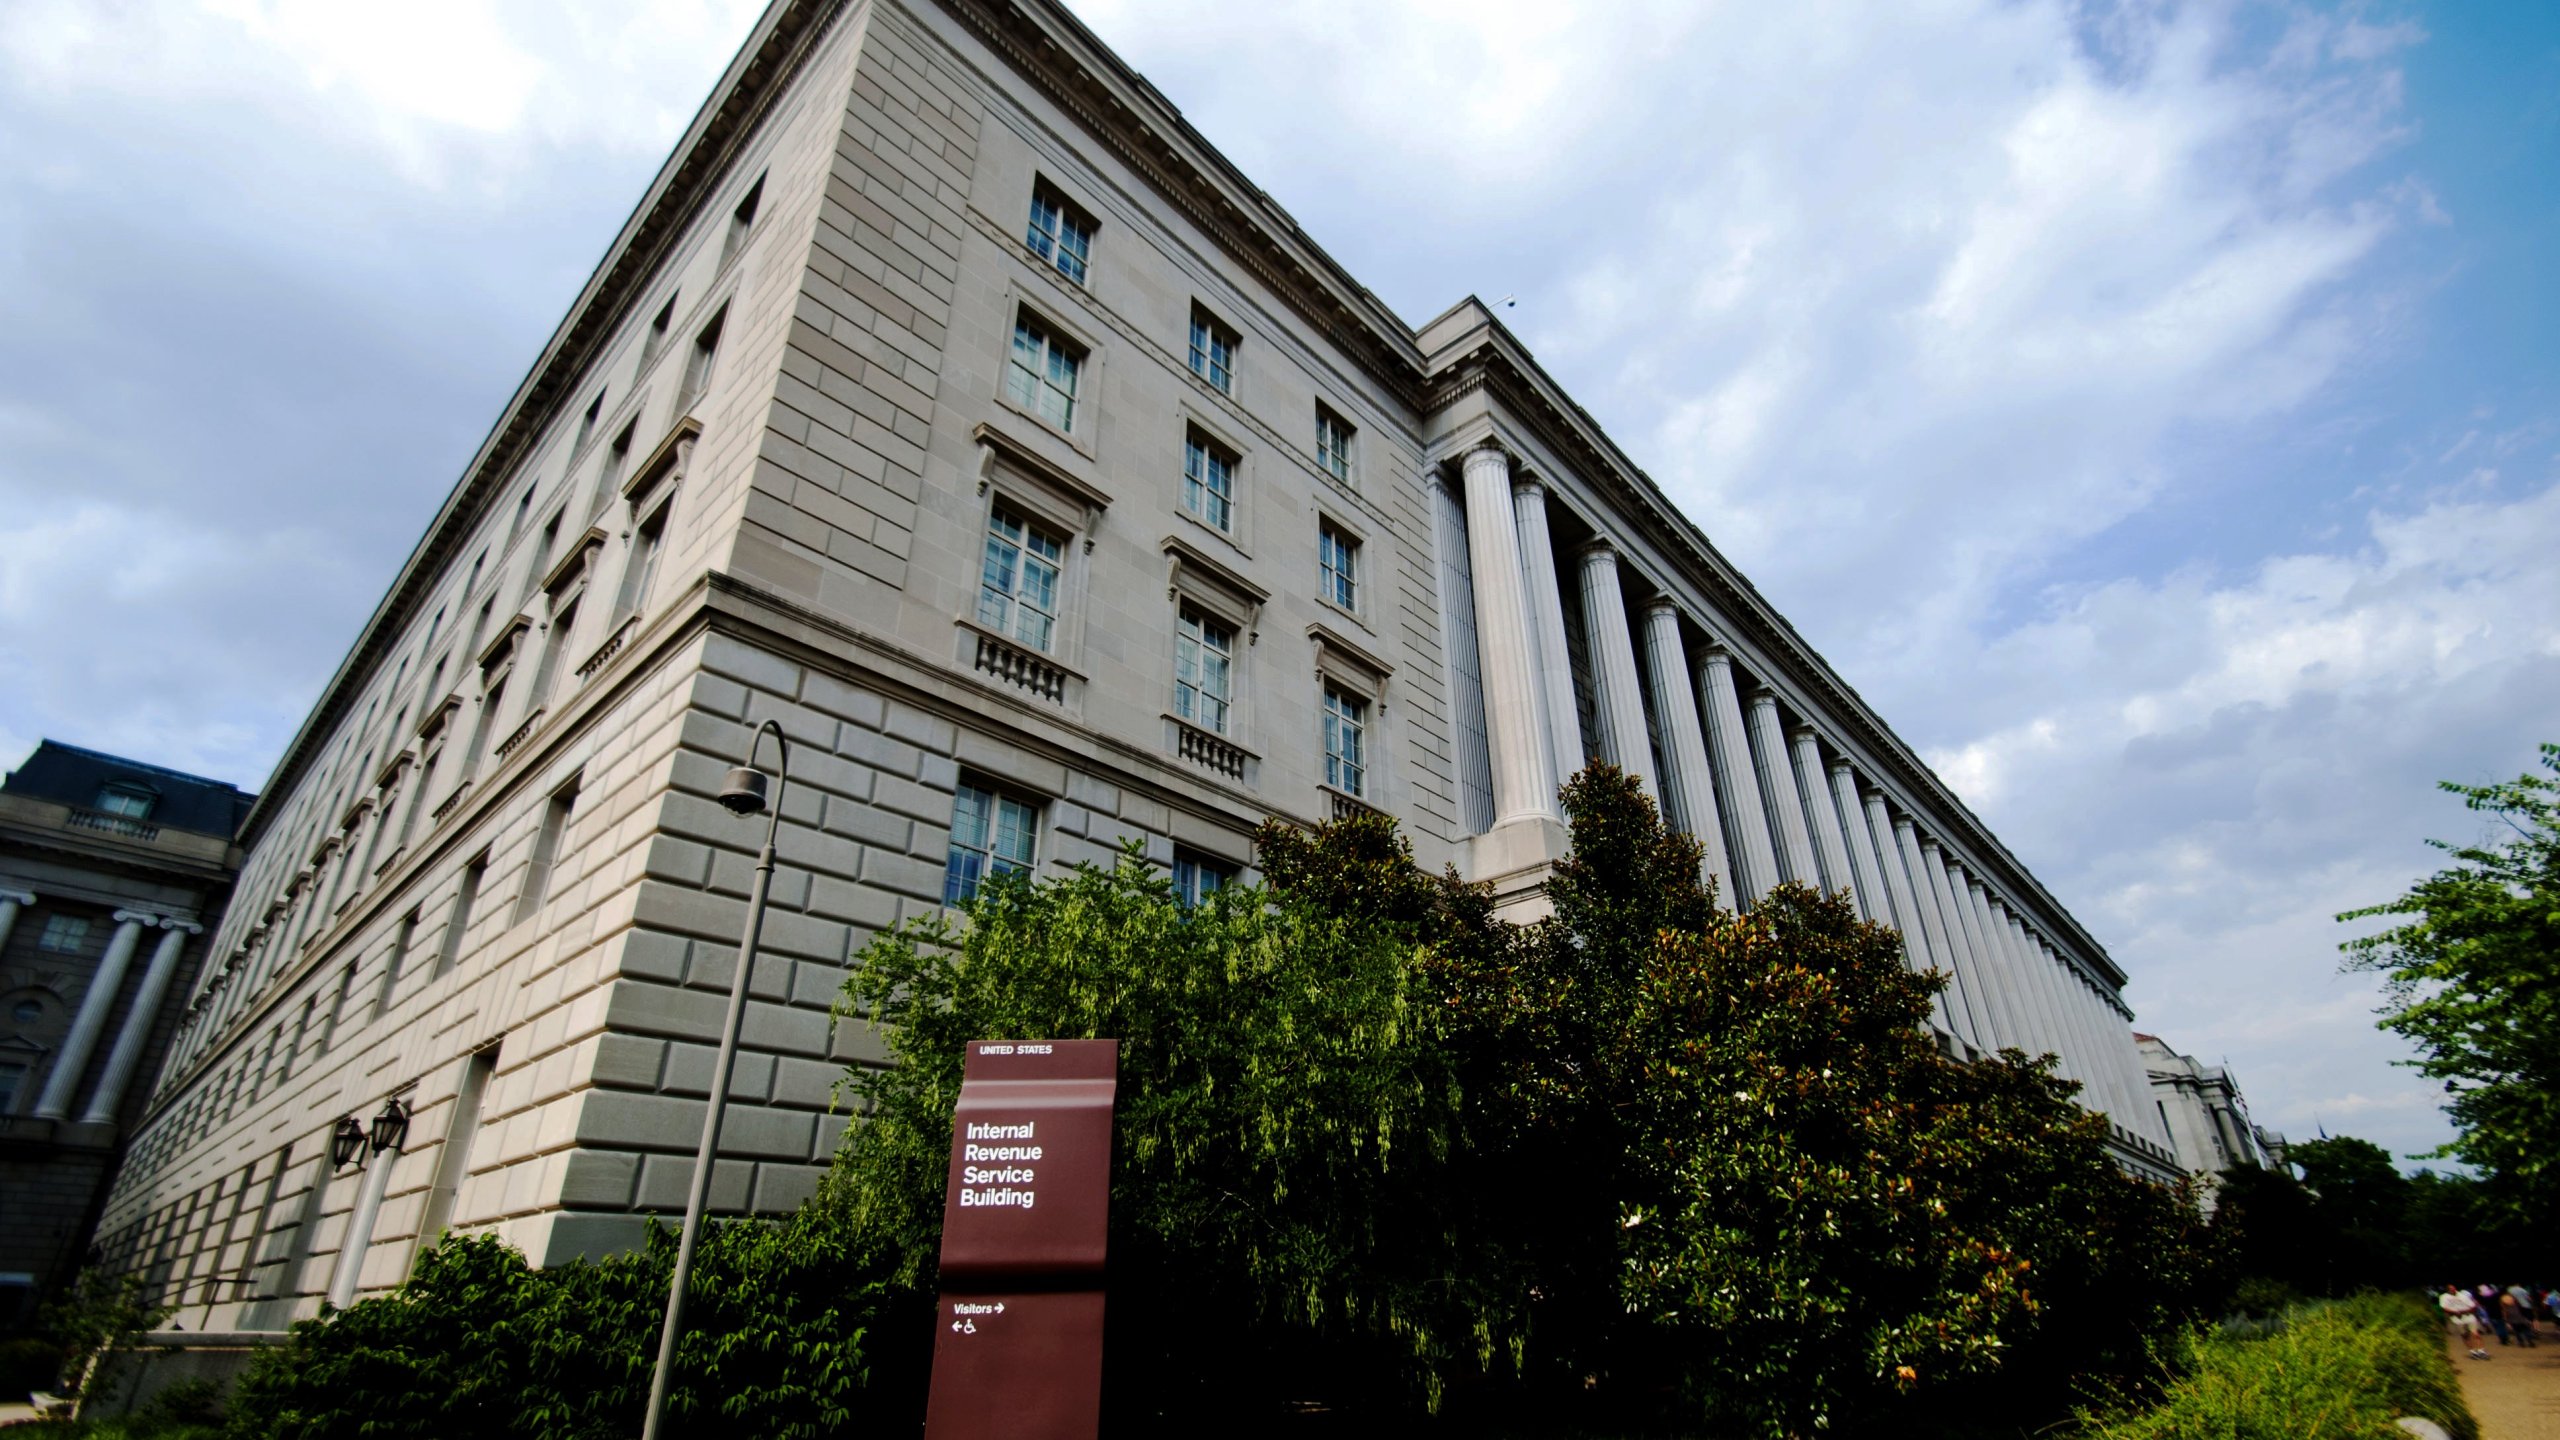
(1646, 1162)
(2473, 980)
(96, 1313)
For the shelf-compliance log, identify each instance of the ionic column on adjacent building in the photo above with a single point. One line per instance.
(1929, 873)
(1777, 778)
(1868, 889)
(1616, 692)
(1755, 864)
(138, 1023)
(1830, 849)
(11, 902)
(1686, 789)
(1546, 627)
(1906, 906)
(91, 1021)
(1524, 780)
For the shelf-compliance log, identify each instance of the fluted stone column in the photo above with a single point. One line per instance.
(1830, 849)
(1546, 627)
(2018, 1026)
(86, 1026)
(2036, 973)
(1868, 889)
(1616, 691)
(2075, 1011)
(138, 1023)
(11, 902)
(1906, 906)
(1983, 978)
(1524, 780)
(1778, 790)
(1756, 863)
(1931, 872)
(1685, 787)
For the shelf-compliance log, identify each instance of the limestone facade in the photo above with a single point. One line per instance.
(951, 402)
(110, 872)
(2204, 1113)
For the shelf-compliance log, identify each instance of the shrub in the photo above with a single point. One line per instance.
(2341, 1370)
(480, 1343)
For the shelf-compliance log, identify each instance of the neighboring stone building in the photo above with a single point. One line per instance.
(2207, 1120)
(108, 868)
(949, 400)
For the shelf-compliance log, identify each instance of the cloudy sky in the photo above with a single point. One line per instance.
(2151, 408)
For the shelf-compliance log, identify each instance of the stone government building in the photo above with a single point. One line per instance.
(949, 400)
(109, 870)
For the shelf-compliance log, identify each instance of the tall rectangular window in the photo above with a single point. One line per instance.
(1333, 444)
(1059, 233)
(564, 625)
(642, 567)
(13, 1078)
(301, 1032)
(542, 552)
(1018, 582)
(1346, 722)
(609, 471)
(697, 366)
(1337, 566)
(1197, 876)
(490, 700)
(1208, 481)
(64, 934)
(1040, 375)
(741, 221)
(453, 1160)
(338, 1008)
(655, 339)
(546, 850)
(587, 423)
(1203, 670)
(458, 920)
(1213, 351)
(991, 834)
(401, 939)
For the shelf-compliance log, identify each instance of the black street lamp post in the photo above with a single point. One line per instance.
(743, 793)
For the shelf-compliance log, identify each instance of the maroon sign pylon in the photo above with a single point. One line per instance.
(1025, 1225)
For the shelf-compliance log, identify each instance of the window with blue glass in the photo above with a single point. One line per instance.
(991, 834)
(1208, 481)
(1018, 582)
(1060, 234)
(1213, 351)
(1196, 876)
(1040, 375)
(1337, 566)
(1204, 657)
(1346, 754)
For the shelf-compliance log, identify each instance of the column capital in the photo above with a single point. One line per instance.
(136, 917)
(1714, 653)
(1660, 602)
(1762, 695)
(1929, 843)
(1803, 728)
(1485, 452)
(1596, 549)
(1839, 766)
(1525, 485)
(22, 897)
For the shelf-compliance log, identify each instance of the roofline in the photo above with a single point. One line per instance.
(132, 764)
(761, 69)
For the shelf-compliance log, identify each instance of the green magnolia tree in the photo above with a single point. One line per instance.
(1647, 1162)
(2472, 976)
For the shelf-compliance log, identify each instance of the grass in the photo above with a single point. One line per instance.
(2334, 1370)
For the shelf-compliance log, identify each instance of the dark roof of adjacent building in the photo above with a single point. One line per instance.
(69, 775)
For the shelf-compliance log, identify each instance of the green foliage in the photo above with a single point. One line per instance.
(1285, 1120)
(2473, 980)
(479, 1343)
(98, 1312)
(2352, 1221)
(2341, 1370)
(1646, 1163)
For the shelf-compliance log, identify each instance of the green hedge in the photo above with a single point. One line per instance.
(2341, 1370)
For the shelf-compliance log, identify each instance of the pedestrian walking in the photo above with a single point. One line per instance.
(2462, 1317)
(2487, 1296)
(2517, 1302)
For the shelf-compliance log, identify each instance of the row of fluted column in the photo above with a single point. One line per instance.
(97, 1006)
(1765, 803)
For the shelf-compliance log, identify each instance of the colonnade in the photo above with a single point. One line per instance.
(1768, 801)
(97, 1007)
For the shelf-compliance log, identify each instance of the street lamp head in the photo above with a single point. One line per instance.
(391, 1126)
(743, 791)
(346, 1142)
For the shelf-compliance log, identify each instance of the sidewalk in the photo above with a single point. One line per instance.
(2516, 1393)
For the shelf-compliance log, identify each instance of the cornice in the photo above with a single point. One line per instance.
(1075, 71)
(757, 77)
